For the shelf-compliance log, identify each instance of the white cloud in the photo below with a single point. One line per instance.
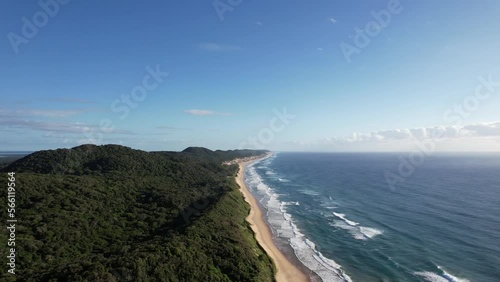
(170, 128)
(332, 20)
(53, 113)
(214, 47)
(484, 129)
(67, 128)
(70, 100)
(39, 112)
(477, 130)
(205, 113)
(259, 23)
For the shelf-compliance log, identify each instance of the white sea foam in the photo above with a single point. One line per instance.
(283, 225)
(309, 192)
(432, 277)
(370, 232)
(443, 277)
(357, 231)
(328, 203)
(342, 216)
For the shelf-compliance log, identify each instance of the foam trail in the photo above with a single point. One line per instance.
(328, 204)
(357, 231)
(309, 192)
(342, 216)
(370, 232)
(451, 277)
(431, 276)
(443, 277)
(283, 224)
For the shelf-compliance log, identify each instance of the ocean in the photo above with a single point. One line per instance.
(337, 214)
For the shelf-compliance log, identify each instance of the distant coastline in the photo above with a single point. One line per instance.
(10, 156)
(286, 270)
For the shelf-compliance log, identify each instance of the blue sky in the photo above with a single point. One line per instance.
(268, 74)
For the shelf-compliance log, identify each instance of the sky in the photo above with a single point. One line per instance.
(325, 75)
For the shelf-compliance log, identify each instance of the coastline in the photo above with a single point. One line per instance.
(285, 269)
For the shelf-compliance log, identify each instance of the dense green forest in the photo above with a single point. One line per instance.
(111, 213)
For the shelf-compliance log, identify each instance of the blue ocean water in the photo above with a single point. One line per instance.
(340, 218)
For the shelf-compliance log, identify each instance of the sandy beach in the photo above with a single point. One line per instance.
(286, 270)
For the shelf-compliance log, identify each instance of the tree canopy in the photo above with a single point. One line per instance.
(111, 213)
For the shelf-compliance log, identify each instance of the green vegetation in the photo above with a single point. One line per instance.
(110, 213)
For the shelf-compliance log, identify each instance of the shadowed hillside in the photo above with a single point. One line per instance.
(111, 213)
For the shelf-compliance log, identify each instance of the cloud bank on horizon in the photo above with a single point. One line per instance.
(487, 129)
(469, 137)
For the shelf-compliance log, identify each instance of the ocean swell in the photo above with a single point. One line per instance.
(357, 231)
(284, 227)
(442, 277)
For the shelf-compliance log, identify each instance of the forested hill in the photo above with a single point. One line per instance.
(111, 213)
(223, 155)
(92, 159)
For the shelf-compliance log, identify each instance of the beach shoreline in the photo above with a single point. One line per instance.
(285, 269)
